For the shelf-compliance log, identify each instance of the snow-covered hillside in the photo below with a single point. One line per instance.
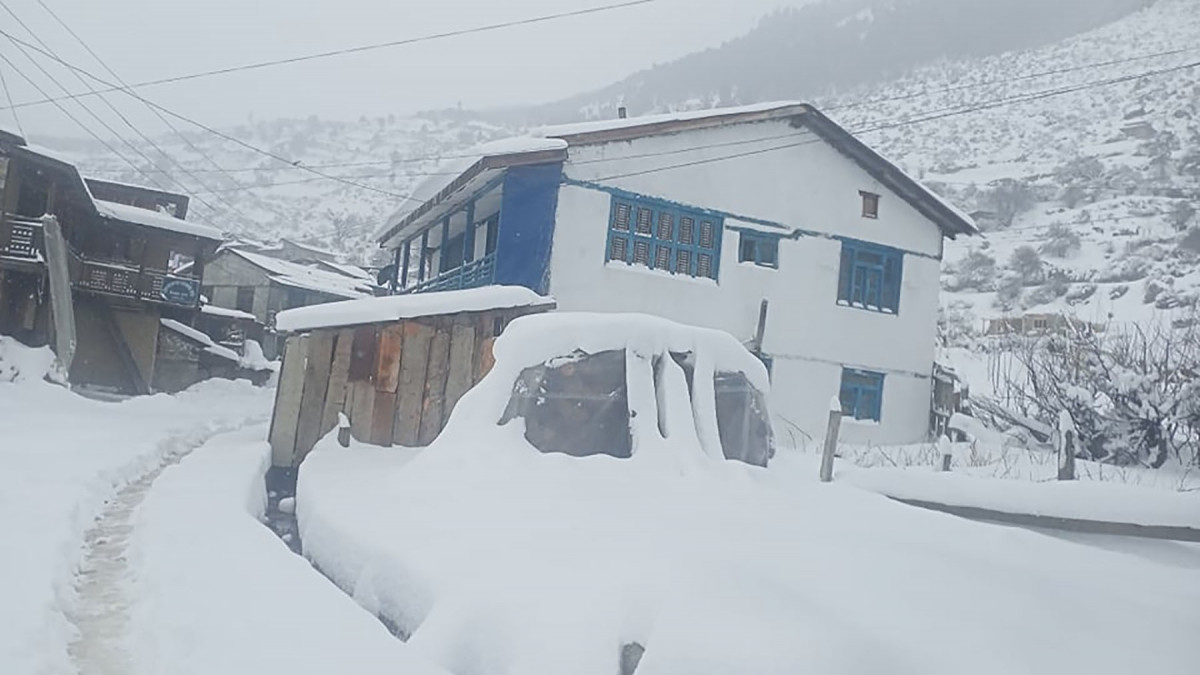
(1087, 179)
(1100, 178)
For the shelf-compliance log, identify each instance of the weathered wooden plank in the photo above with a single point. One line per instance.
(316, 385)
(461, 375)
(383, 417)
(287, 401)
(433, 413)
(387, 369)
(362, 355)
(411, 391)
(362, 395)
(339, 375)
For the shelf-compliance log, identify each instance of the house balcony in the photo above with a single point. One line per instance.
(21, 242)
(128, 281)
(481, 272)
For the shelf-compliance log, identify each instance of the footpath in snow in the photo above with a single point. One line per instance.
(215, 591)
(65, 462)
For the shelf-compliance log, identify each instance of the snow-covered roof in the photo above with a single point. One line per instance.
(396, 307)
(226, 312)
(456, 176)
(305, 276)
(352, 271)
(155, 219)
(203, 339)
(455, 168)
(309, 247)
(574, 133)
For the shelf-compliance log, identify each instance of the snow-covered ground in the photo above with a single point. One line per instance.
(217, 592)
(494, 558)
(64, 460)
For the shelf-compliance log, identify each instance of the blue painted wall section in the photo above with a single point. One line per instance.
(526, 231)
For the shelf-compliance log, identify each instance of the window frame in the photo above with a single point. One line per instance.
(758, 239)
(860, 281)
(874, 412)
(637, 237)
(241, 293)
(870, 204)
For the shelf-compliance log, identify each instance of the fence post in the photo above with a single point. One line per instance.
(831, 439)
(1067, 436)
(944, 451)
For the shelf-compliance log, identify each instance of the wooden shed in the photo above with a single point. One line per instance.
(395, 366)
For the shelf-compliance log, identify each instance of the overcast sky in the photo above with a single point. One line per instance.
(149, 39)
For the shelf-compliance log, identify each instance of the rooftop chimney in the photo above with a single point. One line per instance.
(622, 113)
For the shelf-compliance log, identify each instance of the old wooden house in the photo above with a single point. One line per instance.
(394, 366)
(263, 285)
(131, 257)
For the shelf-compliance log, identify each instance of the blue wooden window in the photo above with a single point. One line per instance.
(870, 276)
(862, 394)
(760, 248)
(662, 236)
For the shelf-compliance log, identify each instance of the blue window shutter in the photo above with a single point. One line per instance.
(861, 394)
(869, 276)
(663, 236)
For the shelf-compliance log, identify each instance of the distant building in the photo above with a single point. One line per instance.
(262, 286)
(743, 219)
(1038, 324)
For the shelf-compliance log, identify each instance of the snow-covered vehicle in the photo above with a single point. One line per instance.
(620, 384)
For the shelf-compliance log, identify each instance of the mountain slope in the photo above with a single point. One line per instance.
(802, 52)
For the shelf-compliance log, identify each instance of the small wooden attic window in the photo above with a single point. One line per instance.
(870, 204)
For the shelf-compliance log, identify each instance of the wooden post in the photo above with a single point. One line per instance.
(944, 451)
(469, 235)
(61, 304)
(1067, 437)
(831, 439)
(761, 329)
(442, 261)
(421, 255)
(404, 263)
(394, 282)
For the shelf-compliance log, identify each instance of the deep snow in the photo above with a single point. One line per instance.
(62, 458)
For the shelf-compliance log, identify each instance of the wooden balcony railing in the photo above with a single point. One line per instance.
(131, 282)
(481, 272)
(21, 237)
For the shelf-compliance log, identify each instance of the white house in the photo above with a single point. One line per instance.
(700, 217)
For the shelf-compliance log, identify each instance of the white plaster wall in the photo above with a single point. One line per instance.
(810, 336)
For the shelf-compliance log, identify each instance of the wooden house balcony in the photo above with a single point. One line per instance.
(21, 242)
(129, 281)
(481, 272)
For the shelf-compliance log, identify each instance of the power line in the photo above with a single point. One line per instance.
(853, 104)
(111, 107)
(362, 48)
(934, 115)
(163, 118)
(178, 116)
(8, 97)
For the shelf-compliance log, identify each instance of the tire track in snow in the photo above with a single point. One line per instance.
(103, 603)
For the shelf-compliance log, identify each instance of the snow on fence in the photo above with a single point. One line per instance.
(394, 366)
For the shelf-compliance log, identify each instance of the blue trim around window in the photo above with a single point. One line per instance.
(870, 276)
(760, 248)
(663, 236)
(862, 394)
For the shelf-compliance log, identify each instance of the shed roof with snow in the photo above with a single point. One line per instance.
(465, 174)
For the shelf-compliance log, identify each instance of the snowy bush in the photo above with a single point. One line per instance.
(1182, 215)
(1007, 198)
(1026, 264)
(976, 271)
(1061, 241)
(1132, 393)
(1008, 291)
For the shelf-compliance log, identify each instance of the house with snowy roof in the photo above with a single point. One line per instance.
(262, 285)
(770, 222)
(131, 260)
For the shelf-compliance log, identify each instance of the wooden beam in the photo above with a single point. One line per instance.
(411, 390)
(469, 235)
(339, 375)
(433, 414)
(442, 248)
(387, 368)
(394, 282)
(404, 263)
(287, 401)
(421, 255)
(461, 376)
(316, 385)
